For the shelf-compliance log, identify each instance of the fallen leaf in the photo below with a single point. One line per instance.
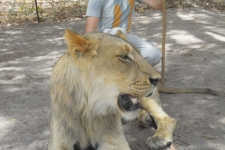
(13, 119)
(209, 97)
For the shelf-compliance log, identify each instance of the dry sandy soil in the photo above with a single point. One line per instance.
(195, 57)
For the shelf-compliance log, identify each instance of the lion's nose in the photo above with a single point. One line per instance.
(154, 81)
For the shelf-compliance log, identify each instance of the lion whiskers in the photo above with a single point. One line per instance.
(142, 89)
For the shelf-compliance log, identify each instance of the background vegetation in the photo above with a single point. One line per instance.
(17, 12)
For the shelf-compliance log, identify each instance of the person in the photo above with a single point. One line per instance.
(111, 15)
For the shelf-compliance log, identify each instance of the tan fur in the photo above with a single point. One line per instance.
(165, 124)
(85, 85)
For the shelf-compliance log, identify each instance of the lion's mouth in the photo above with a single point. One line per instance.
(150, 94)
(128, 102)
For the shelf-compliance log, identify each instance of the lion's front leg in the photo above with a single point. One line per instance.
(112, 142)
(165, 124)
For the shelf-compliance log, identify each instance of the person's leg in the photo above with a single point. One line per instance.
(148, 51)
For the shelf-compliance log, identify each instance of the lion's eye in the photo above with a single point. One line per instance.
(124, 57)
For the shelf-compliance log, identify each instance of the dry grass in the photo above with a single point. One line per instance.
(23, 12)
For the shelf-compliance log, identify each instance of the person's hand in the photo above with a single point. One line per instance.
(155, 4)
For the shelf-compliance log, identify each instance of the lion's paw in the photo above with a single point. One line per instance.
(157, 143)
(145, 121)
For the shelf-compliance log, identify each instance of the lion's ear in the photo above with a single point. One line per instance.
(79, 45)
(120, 34)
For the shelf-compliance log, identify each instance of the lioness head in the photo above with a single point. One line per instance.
(108, 73)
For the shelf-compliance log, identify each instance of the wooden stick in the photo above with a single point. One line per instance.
(36, 5)
(163, 38)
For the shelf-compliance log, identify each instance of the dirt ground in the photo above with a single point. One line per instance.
(195, 57)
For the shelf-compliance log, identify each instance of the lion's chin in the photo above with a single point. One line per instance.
(128, 103)
(131, 115)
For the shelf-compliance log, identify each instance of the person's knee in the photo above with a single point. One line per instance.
(153, 58)
(152, 54)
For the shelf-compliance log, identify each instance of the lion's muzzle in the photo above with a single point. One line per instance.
(154, 81)
(128, 102)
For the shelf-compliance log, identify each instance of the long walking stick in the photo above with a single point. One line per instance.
(163, 38)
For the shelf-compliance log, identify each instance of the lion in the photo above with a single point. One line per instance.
(100, 80)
